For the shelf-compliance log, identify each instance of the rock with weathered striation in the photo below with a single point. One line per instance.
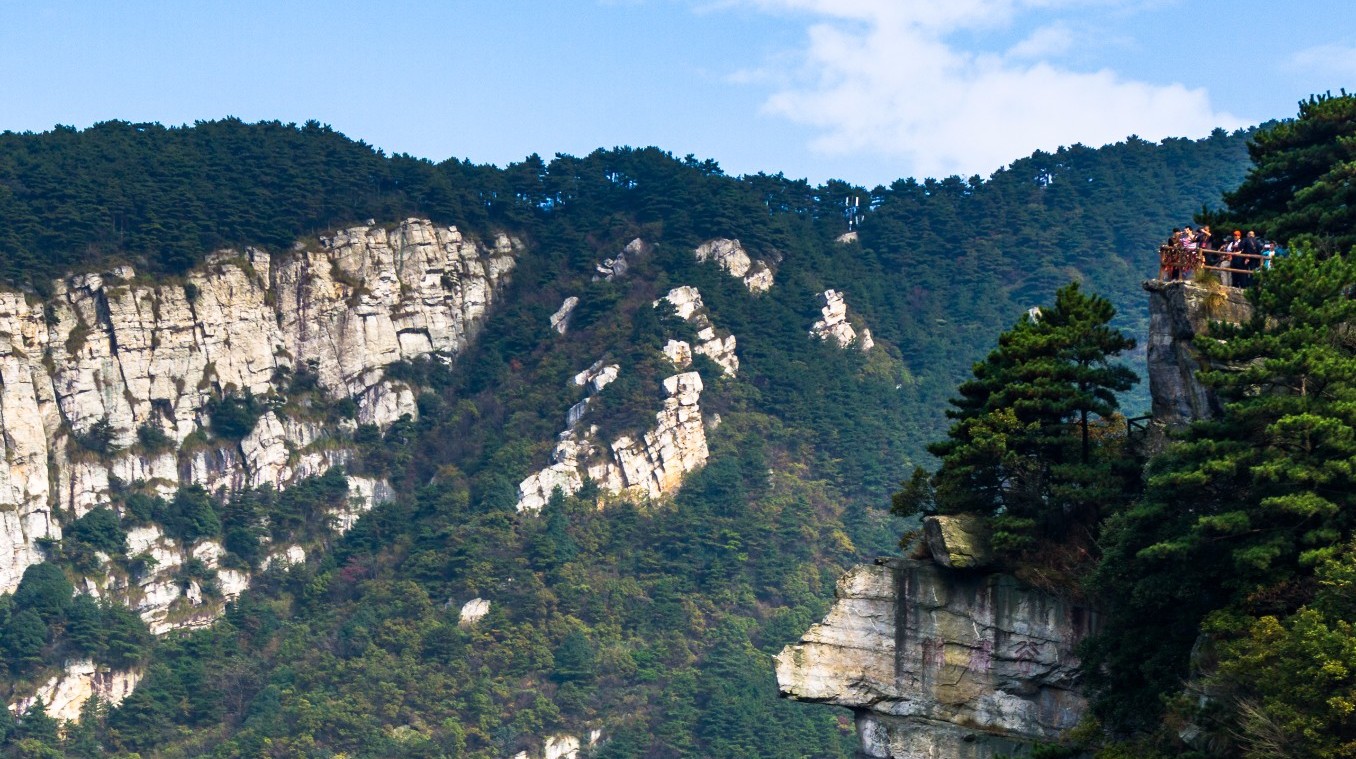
(958, 541)
(731, 256)
(1179, 312)
(65, 693)
(834, 324)
(940, 664)
(108, 356)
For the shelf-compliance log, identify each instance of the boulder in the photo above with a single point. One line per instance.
(959, 541)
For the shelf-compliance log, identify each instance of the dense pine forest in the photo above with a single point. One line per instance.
(651, 622)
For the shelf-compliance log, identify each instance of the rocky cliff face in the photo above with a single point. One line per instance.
(941, 664)
(1178, 312)
(116, 360)
(111, 356)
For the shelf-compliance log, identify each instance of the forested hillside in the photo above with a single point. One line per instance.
(648, 621)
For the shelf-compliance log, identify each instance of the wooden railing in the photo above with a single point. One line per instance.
(1137, 425)
(1176, 257)
(1233, 254)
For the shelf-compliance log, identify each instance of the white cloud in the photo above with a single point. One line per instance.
(1331, 59)
(883, 78)
(1047, 41)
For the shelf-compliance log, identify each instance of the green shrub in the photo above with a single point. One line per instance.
(234, 416)
(153, 439)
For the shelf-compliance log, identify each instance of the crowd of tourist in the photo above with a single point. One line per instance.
(1233, 259)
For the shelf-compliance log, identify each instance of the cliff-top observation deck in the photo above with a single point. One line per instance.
(1176, 261)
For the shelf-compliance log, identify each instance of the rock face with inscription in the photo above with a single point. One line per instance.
(942, 664)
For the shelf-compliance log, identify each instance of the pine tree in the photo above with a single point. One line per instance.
(1024, 446)
(1301, 188)
(1238, 514)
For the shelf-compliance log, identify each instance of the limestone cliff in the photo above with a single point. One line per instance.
(942, 664)
(117, 359)
(110, 355)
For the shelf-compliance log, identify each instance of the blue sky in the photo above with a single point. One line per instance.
(863, 90)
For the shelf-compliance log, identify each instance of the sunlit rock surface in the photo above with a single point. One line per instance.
(939, 663)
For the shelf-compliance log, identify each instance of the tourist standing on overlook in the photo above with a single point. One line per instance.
(1253, 246)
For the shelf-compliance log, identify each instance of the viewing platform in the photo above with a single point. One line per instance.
(1175, 261)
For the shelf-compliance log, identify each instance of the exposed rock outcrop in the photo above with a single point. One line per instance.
(560, 320)
(942, 664)
(648, 466)
(473, 611)
(1178, 312)
(731, 256)
(834, 324)
(687, 303)
(108, 356)
(612, 268)
(64, 694)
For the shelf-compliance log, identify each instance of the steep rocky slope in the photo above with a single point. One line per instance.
(111, 356)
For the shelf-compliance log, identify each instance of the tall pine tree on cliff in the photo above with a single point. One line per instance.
(1025, 448)
(1229, 569)
(1302, 188)
(1239, 513)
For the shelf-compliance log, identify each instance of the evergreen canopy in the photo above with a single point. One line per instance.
(1302, 188)
(1240, 512)
(1022, 446)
